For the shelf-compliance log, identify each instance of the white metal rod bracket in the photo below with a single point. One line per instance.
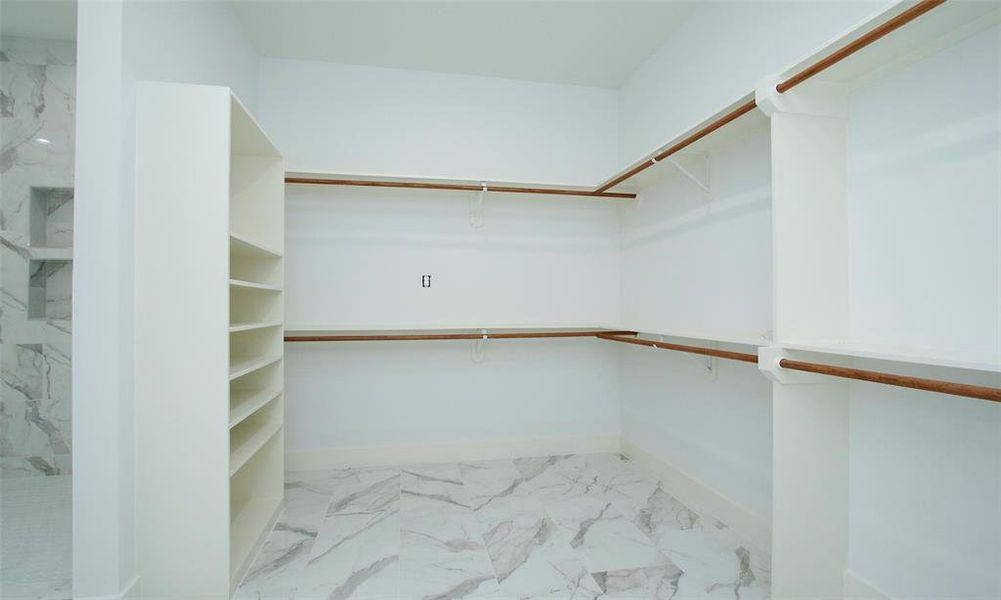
(476, 207)
(478, 346)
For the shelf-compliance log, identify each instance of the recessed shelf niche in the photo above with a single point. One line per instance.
(50, 287)
(51, 217)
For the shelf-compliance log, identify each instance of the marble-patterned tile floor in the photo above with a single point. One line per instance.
(35, 535)
(561, 527)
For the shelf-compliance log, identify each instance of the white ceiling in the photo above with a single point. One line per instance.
(46, 19)
(595, 43)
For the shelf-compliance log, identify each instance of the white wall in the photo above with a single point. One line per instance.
(924, 202)
(717, 55)
(191, 41)
(406, 396)
(714, 428)
(355, 256)
(118, 42)
(332, 117)
(102, 307)
(925, 481)
(703, 267)
(925, 218)
(701, 264)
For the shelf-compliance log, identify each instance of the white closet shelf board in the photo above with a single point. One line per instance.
(722, 338)
(242, 246)
(253, 285)
(244, 365)
(970, 361)
(462, 329)
(251, 326)
(244, 403)
(940, 27)
(247, 440)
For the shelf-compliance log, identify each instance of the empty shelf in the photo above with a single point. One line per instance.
(250, 326)
(239, 244)
(242, 365)
(244, 442)
(253, 285)
(244, 403)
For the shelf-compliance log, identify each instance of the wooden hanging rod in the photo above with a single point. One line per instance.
(833, 58)
(741, 356)
(461, 187)
(729, 117)
(922, 7)
(452, 336)
(915, 383)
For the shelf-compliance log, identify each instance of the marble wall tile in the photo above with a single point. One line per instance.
(37, 113)
(29, 51)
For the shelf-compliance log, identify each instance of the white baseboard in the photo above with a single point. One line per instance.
(857, 588)
(700, 497)
(339, 458)
(132, 591)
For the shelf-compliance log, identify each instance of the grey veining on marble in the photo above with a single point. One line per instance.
(576, 526)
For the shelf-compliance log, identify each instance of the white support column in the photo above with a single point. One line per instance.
(810, 287)
(809, 481)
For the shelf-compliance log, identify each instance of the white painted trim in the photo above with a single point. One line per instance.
(702, 498)
(857, 588)
(132, 591)
(335, 458)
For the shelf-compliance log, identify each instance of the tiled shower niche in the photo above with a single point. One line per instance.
(51, 218)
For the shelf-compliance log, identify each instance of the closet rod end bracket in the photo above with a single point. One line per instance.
(769, 358)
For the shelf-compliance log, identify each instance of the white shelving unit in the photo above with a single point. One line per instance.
(209, 349)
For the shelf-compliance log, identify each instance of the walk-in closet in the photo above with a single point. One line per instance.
(689, 300)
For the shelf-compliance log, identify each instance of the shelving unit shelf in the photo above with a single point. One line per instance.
(245, 444)
(244, 403)
(245, 365)
(210, 415)
(251, 285)
(252, 325)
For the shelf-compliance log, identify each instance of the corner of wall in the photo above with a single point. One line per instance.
(696, 494)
